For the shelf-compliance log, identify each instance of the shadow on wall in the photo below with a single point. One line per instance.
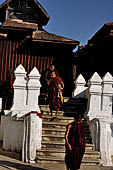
(111, 125)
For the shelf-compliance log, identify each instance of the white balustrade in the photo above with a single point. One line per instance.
(23, 124)
(99, 116)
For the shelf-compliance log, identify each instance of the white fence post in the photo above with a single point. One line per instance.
(107, 93)
(32, 123)
(94, 99)
(14, 129)
(106, 120)
(94, 107)
(19, 101)
(80, 89)
(106, 142)
(34, 90)
(32, 137)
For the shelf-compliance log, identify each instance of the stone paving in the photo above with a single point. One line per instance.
(8, 163)
(11, 161)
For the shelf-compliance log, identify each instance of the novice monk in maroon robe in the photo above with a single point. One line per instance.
(75, 144)
(55, 90)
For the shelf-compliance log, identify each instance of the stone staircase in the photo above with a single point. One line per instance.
(53, 134)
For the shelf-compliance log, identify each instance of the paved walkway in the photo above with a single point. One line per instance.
(11, 161)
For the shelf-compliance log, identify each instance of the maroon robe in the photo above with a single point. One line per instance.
(54, 99)
(76, 139)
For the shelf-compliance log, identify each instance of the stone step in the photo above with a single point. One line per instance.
(61, 153)
(72, 113)
(43, 99)
(61, 118)
(63, 113)
(66, 99)
(70, 103)
(54, 124)
(92, 154)
(76, 102)
(69, 111)
(51, 159)
(54, 137)
(73, 99)
(59, 124)
(61, 145)
(65, 106)
(73, 109)
(47, 112)
(51, 144)
(56, 131)
(59, 131)
(90, 161)
(44, 107)
(51, 152)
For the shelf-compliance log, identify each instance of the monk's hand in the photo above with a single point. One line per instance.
(70, 147)
(61, 88)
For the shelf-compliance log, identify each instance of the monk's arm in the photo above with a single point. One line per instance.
(62, 85)
(66, 137)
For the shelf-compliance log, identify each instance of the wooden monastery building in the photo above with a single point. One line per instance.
(97, 55)
(24, 41)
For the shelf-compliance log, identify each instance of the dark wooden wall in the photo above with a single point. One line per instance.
(13, 53)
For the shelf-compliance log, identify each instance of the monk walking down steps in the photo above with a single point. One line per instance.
(55, 93)
(75, 143)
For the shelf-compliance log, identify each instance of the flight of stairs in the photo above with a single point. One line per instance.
(53, 134)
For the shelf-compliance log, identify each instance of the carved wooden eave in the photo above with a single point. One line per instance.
(46, 37)
(18, 25)
(43, 17)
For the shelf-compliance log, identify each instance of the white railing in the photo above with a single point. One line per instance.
(99, 114)
(23, 125)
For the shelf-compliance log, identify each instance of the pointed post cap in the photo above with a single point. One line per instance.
(108, 78)
(80, 80)
(34, 73)
(20, 70)
(95, 79)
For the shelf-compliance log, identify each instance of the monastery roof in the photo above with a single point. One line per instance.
(44, 35)
(38, 35)
(106, 31)
(17, 24)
